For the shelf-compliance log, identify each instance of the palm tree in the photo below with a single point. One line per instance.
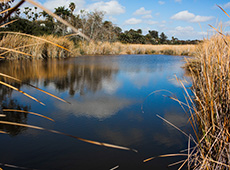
(72, 7)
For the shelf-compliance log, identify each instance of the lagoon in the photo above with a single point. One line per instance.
(106, 95)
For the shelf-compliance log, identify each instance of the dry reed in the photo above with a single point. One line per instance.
(34, 47)
(99, 48)
(21, 46)
(211, 104)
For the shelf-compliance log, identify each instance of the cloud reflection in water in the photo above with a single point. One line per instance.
(101, 107)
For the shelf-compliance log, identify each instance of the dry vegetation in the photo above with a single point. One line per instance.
(99, 48)
(211, 104)
(15, 46)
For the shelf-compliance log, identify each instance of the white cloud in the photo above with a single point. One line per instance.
(190, 17)
(161, 2)
(227, 5)
(150, 22)
(111, 7)
(184, 29)
(147, 16)
(183, 15)
(199, 18)
(133, 21)
(187, 33)
(142, 11)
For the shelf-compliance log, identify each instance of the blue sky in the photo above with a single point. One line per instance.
(184, 19)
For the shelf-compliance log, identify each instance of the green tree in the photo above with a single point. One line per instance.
(132, 36)
(163, 38)
(72, 7)
(153, 37)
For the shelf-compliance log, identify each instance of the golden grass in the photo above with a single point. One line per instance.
(210, 104)
(22, 111)
(20, 81)
(65, 134)
(31, 47)
(99, 48)
(18, 45)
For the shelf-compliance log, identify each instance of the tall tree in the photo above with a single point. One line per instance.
(163, 38)
(72, 7)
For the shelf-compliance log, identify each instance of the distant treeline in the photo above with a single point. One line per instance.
(91, 24)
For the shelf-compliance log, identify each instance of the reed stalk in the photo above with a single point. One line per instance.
(211, 95)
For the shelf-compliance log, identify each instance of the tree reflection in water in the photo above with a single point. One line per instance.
(64, 75)
(7, 103)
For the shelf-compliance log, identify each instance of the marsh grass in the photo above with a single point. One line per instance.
(22, 46)
(211, 103)
(18, 45)
(100, 48)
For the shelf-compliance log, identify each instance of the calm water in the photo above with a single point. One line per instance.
(106, 94)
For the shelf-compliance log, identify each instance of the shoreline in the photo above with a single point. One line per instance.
(62, 47)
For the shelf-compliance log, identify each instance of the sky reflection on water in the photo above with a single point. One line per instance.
(106, 93)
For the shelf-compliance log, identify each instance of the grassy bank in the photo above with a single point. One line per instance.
(211, 103)
(119, 48)
(14, 46)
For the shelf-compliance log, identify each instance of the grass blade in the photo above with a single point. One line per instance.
(8, 23)
(21, 47)
(176, 163)
(163, 156)
(32, 36)
(223, 10)
(75, 137)
(12, 87)
(157, 91)
(3, 132)
(5, 10)
(16, 51)
(173, 125)
(116, 167)
(16, 167)
(13, 78)
(11, 11)
(23, 111)
(228, 166)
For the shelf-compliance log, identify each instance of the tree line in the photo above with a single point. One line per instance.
(92, 24)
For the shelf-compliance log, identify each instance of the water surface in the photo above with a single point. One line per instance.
(106, 94)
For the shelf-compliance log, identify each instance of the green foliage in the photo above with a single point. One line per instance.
(91, 24)
(163, 38)
(132, 37)
(30, 27)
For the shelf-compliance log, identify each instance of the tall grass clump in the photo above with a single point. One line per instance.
(47, 46)
(106, 48)
(210, 109)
